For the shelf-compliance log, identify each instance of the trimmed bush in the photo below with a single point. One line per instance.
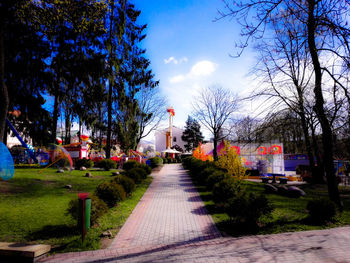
(127, 183)
(156, 161)
(87, 163)
(107, 164)
(225, 190)
(111, 193)
(248, 208)
(98, 208)
(130, 164)
(137, 174)
(146, 168)
(321, 210)
(215, 177)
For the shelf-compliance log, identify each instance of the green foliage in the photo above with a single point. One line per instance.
(230, 161)
(226, 189)
(321, 210)
(111, 193)
(130, 164)
(137, 174)
(145, 167)
(107, 164)
(98, 208)
(165, 160)
(127, 183)
(248, 208)
(192, 134)
(87, 163)
(156, 161)
(215, 177)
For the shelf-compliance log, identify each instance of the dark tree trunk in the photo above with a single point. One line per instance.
(327, 141)
(110, 86)
(4, 96)
(55, 118)
(68, 123)
(215, 154)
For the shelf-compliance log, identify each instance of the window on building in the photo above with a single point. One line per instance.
(174, 139)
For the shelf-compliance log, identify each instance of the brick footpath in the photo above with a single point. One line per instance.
(170, 224)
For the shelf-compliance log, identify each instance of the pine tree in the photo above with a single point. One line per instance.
(134, 74)
(192, 134)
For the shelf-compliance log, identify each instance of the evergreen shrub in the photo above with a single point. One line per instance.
(214, 177)
(145, 167)
(127, 183)
(137, 174)
(98, 208)
(87, 163)
(107, 164)
(321, 210)
(226, 189)
(111, 193)
(156, 161)
(130, 164)
(248, 208)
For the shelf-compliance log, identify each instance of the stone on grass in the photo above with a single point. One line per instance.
(115, 173)
(60, 171)
(88, 175)
(106, 234)
(282, 190)
(296, 192)
(82, 168)
(68, 186)
(270, 189)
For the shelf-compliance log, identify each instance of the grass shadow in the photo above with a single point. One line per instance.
(53, 231)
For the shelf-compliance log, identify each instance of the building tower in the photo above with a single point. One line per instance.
(171, 112)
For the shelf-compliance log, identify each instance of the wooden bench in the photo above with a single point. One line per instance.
(22, 252)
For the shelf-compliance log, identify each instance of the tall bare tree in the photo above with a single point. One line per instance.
(327, 32)
(214, 107)
(153, 111)
(285, 66)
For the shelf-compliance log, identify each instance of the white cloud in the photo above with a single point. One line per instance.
(200, 69)
(177, 79)
(203, 68)
(175, 61)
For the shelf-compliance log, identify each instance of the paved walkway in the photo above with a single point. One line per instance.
(170, 224)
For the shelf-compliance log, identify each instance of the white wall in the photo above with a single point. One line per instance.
(160, 138)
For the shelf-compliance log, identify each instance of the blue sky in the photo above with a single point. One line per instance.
(188, 51)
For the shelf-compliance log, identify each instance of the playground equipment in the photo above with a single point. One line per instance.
(6, 163)
(28, 147)
(59, 157)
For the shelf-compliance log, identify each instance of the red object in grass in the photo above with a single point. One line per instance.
(83, 196)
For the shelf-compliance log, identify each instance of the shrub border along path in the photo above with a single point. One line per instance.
(331, 245)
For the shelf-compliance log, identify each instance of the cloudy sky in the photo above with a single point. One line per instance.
(188, 51)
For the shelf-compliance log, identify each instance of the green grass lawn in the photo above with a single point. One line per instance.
(289, 214)
(33, 208)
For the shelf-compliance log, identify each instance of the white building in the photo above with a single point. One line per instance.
(160, 138)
